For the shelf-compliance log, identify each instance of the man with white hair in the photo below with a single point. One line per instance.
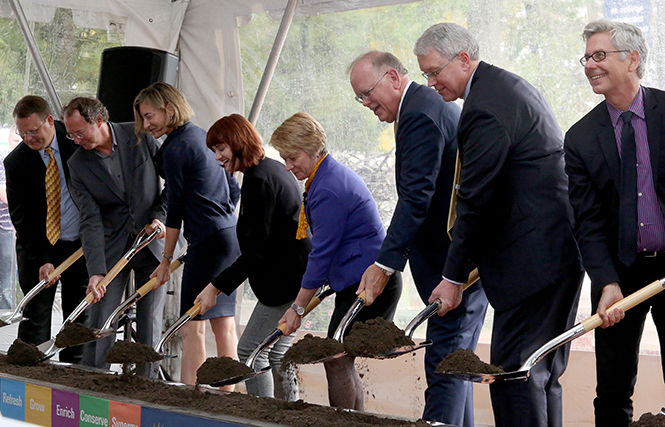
(513, 220)
(614, 158)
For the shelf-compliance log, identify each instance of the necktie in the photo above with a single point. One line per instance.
(452, 215)
(628, 193)
(52, 185)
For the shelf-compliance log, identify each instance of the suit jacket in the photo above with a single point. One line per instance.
(266, 230)
(110, 218)
(25, 172)
(593, 166)
(345, 224)
(426, 146)
(513, 216)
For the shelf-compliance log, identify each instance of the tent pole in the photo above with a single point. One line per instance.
(287, 18)
(37, 57)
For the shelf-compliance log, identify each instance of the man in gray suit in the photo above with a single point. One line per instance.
(117, 190)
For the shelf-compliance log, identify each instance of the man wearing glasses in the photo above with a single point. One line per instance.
(38, 249)
(513, 220)
(425, 150)
(614, 159)
(116, 186)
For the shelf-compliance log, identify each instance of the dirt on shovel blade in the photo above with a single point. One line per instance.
(132, 352)
(310, 349)
(649, 420)
(24, 354)
(374, 337)
(464, 361)
(216, 369)
(73, 334)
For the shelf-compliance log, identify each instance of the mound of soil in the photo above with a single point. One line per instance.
(463, 361)
(216, 369)
(132, 352)
(298, 413)
(73, 334)
(310, 349)
(374, 337)
(649, 420)
(23, 354)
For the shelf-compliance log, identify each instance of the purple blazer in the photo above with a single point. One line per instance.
(346, 228)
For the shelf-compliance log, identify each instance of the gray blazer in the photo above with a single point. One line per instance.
(110, 218)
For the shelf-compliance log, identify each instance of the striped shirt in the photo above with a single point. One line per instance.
(651, 225)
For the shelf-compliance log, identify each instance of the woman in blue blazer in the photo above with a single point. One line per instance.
(346, 236)
(201, 196)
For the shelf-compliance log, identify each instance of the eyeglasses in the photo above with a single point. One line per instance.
(364, 96)
(598, 56)
(78, 135)
(436, 73)
(30, 133)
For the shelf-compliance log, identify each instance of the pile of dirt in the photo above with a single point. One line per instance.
(22, 353)
(73, 334)
(216, 369)
(132, 352)
(375, 337)
(464, 361)
(234, 404)
(649, 420)
(310, 349)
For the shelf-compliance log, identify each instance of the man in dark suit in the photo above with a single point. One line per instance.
(620, 256)
(513, 220)
(25, 169)
(116, 186)
(426, 146)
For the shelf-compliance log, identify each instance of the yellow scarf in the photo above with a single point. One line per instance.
(301, 233)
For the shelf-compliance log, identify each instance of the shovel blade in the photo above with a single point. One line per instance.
(48, 348)
(396, 352)
(240, 378)
(326, 359)
(489, 378)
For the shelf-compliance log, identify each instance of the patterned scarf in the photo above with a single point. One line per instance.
(301, 233)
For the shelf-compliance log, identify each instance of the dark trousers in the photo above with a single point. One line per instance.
(149, 313)
(447, 399)
(517, 333)
(617, 347)
(35, 328)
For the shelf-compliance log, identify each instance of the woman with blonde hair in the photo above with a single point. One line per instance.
(346, 236)
(202, 197)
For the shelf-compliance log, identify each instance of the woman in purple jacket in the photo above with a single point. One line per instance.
(346, 236)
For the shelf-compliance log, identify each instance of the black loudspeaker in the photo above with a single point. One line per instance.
(125, 70)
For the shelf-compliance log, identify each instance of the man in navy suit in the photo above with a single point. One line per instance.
(614, 62)
(426, 146)
(513, 220)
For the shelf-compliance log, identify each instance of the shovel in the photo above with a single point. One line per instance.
(142, 240)
(323, 292)
(170, 332)
(17, 314)
(425, 314)
(575, 332)
(108, 329)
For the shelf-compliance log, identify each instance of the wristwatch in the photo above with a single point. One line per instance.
(300, 311)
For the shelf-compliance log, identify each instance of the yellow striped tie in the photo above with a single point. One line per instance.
(452, 214)
(52, 182)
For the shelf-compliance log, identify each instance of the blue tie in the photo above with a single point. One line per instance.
(628, 193)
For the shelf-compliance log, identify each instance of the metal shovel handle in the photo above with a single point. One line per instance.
(142, 240)
(350, 314)
(175, 327)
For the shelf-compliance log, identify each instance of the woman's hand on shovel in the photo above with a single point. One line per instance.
(449, 294)
(207, 298)
(44, 271)
(611, 294)
(292, 321)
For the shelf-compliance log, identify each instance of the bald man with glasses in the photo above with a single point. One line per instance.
(37, 249)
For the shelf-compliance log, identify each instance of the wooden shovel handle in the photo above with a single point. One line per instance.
(195, 310)
(109, 277)
(65, 264)
(143, 290)
(315, 301)
(627, 303)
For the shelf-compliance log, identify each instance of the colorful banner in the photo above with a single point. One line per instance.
(93, 411)
(13, 398)
(64, 408)
(38, 404)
